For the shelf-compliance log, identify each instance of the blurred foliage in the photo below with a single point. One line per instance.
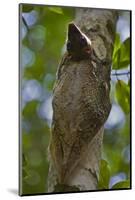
(117, 142)
(104, 177)
(122, 184)
(43, 34)
(123, 95)
(121, 53)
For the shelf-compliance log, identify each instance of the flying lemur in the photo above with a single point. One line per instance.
(81, 103)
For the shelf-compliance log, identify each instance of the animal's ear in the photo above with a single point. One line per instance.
(73, 30)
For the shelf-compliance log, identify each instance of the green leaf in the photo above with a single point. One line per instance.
(116, 59)
(117, 44)
(116, 51)
(123, 63)
(57, 10)
(126, 44)
(125, 54)
(104, 175)
(121, 55)
(123, 95)
(30, 109)
(122, 184)
(37, 70)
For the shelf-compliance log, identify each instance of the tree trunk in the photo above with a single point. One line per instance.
(99, 25)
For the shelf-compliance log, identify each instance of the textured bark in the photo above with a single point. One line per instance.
(99, 26)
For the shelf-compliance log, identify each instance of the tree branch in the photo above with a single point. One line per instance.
(25, 23)
(83, 83)
(120, 73)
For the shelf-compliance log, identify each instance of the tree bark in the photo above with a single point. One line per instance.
(99, 25)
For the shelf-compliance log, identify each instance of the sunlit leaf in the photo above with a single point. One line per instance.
(121, 54)
(125, 54)
(104, 175)
(125, 49)
(117, 44)
(122, 184)
(123, 95)
(57, 10)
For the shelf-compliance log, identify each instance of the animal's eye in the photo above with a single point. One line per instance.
(69, 45)
(83, 41)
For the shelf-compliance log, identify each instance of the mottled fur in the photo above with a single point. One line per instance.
(81, 105)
